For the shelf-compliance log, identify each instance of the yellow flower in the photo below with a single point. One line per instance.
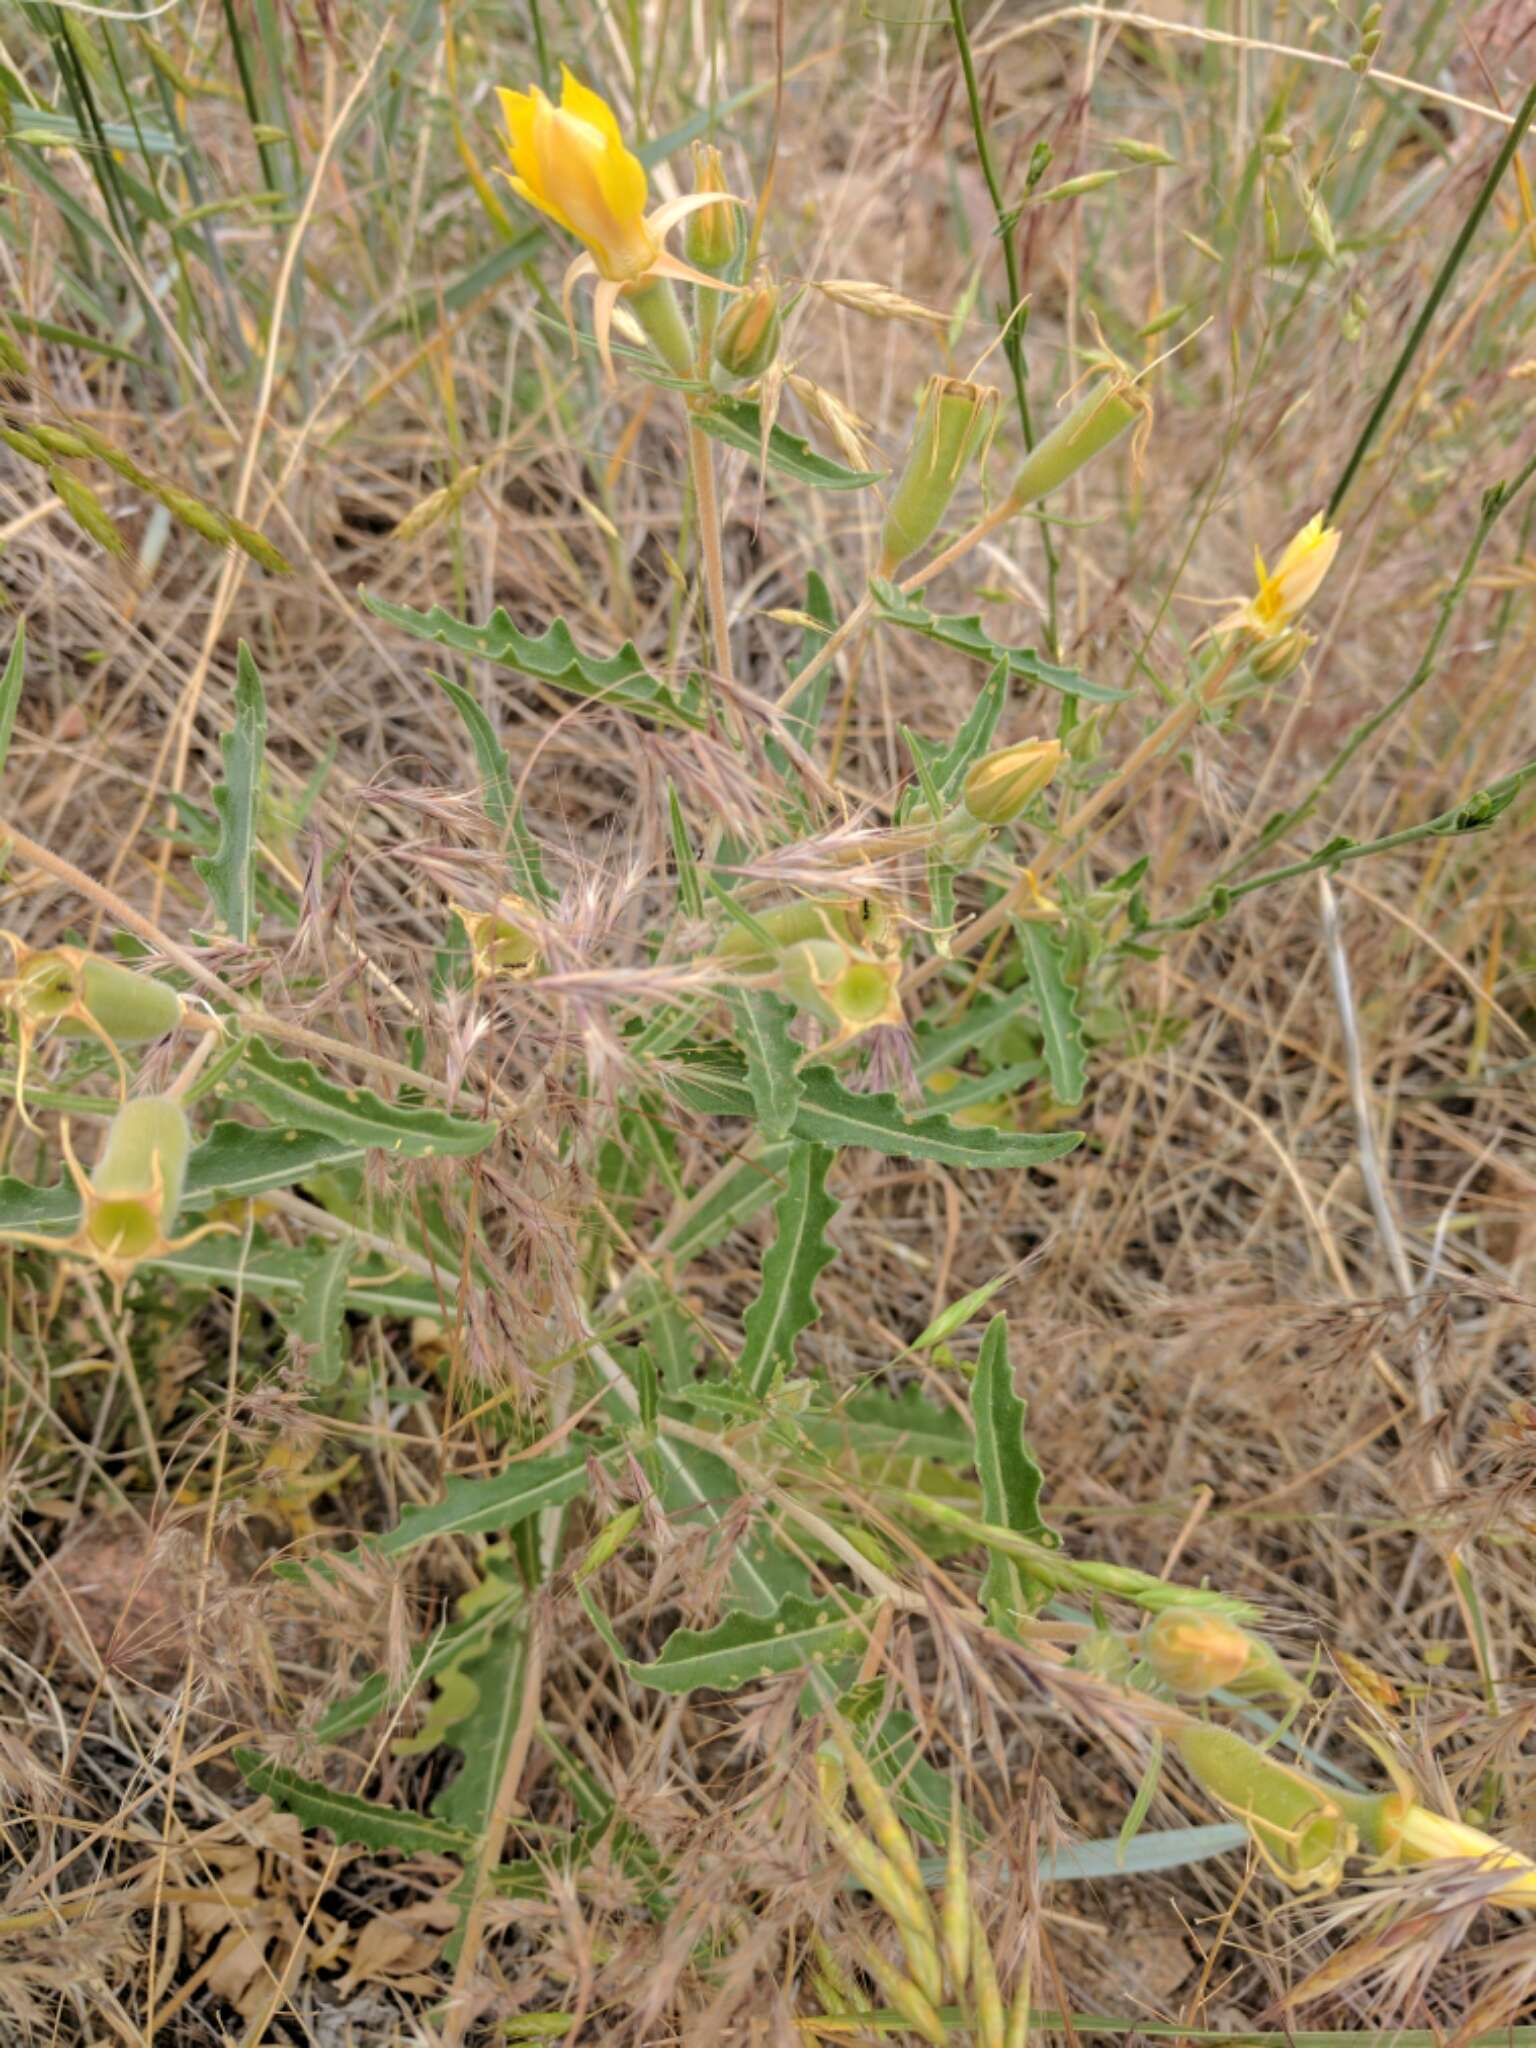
(1282, 596)
(1418, 1836)
(571, 163)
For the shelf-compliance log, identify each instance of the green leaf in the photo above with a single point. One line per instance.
(732, 1198)
(968, 636)
(229, 874)
(803, 718)
(739, 423)
(786, 1303)
(947, 765)
(620, 679)
(350, 1819)
(746, 1647)
(762, 1030)
(472, 1507)
(899, 1425)
(485, 1736)
(830, 1114)
(10, 689)
(294, 1093)
(318, 1329)
(500, 792)
(1010, 1478)
(458, 1643)
(1060, 1027)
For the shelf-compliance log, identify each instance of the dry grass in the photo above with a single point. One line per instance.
(1228, 1380)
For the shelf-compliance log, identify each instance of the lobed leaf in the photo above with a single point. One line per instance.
(744, 1647)
(738, 422)
(786, 1303)
(500, 793)
(1060, 1026)
(1010, 1479)
(553, 657)
(762, 1031)
(967, 635)
(229, 872)
(295, 1093)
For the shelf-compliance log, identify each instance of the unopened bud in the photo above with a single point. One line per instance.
(1001, 785)
(954, 418)
(1195, 1652)
(1280, 657)
(1091, 426)
(712, 237)
(747, 339)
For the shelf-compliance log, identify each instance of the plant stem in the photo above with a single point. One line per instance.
(1437, 291)
(1015, 318)
(701, 456)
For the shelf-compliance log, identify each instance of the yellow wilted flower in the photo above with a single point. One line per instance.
(570, 162)
(1284, 594)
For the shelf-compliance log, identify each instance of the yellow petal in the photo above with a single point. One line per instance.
(589, 106)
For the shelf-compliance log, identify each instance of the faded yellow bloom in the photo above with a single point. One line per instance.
(571, 162)
(1284, 593)
(1409, 1833)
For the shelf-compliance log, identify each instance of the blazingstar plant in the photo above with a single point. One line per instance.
(919, 973)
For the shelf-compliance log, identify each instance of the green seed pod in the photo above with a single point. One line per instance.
(1003, 784)
(954, 419)
(747, 339)
(135, 1190)
(1091, 427)
(850, 990)
(788, 923)
(1303, 1830)
(712, 237)
(129, 1008)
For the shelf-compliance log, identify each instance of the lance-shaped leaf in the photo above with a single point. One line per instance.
(898, 1425)
(553, 657)
(319, 1327)
(739, 423)
(968, 636)
(10, 689)
(486, 1734)
(1061, 1029)
(349, 1818)
(786, 1303)
(229, 873)
(500, 793)
(745, 1647)
(472, 1507)
(730, 1200)
(293, 1092)
(1010, 1478)
(946, 766)
(762, 1031)
(831, 1114)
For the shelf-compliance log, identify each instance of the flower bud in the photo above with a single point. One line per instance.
(1091, 426)
(712, 237)
(134, 1193)
(747, 339)
(1280, 657)
(1195, 1652)
(1304, 1831)
(1001, 785)
(1399, 1830)
(954, 418)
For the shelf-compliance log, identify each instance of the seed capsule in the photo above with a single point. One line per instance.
(712, 237)
(135, 1191)
(747, 339)
(1091, 427)
(954, 419)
